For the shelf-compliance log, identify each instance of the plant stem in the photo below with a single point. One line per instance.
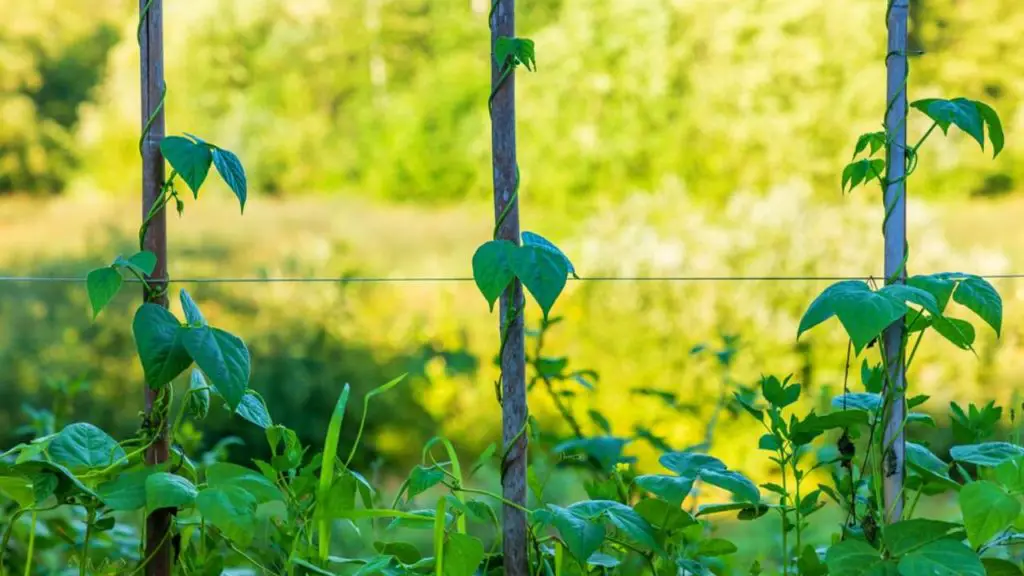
(782, 513)
(83, 568)
(492, 495)
(31, 546)
(797, 503)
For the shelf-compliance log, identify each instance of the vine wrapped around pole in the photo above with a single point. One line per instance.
(154, 239)
(513, 356)
(895, 230)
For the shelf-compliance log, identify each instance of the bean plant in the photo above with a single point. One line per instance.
(79, 494)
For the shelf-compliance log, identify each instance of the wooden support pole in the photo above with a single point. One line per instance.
(895, 229)
(151, 48)
(513, 359)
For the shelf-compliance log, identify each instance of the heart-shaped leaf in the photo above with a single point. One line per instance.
(126, 492)
(942, 558)
(542, 272)
(581, 536)
(532, 239)
(672, 489)
(980, 297)
(158, 337)
(82, 446)
(223, 357)
(231, 509)
(191, 160)
(462, 555)
(223, 474)
(987, 510)
(165, 490)
(492, 269)
(102, 285)
(253, 409)
(863, 313)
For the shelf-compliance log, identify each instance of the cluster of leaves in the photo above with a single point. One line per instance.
(970, 116)
(541, 266)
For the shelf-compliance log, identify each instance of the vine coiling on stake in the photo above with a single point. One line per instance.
(868, 313)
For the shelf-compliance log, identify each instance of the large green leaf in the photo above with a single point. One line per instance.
(1010, 475)
(969, 115)
(940, 288)
(542, 272)
(581, 536)
(961, 112)
(987, 453)
(672, 489)
(688, 464)
(231, 509)
(223, 358)
(941, 558)
(102, 285)
(908, 535)
(914, 295)
(734, 482)
(958, 332)
(492, 269)
(223, 474)
(190, 159)
(165, 490)
(253, 409)
(82, 446)
(231, 170)
(126, 492)
(144, 262)
(863, 313)
(987, 510)
(629, 523)
(462, 555)
(980, 297)
(532, 239)
(857, 558)
(158, 337)
(662, 515)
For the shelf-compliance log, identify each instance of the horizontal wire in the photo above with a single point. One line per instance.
(442, 279)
